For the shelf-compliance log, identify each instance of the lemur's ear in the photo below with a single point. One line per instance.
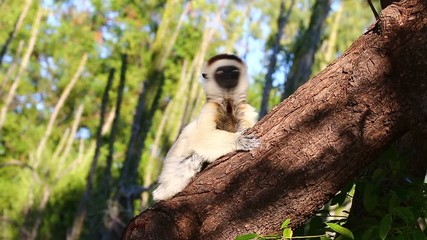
(205, 75)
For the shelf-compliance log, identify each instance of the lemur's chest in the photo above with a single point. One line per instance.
(227, 118)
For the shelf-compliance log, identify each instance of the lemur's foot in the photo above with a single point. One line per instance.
(247, 142)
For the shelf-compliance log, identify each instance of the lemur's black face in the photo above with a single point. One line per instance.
(227, 76)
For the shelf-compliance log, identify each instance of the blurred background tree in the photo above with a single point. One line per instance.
(93, 94)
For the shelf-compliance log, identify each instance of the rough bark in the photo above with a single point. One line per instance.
(313, 143)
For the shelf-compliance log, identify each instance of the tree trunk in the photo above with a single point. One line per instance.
(12, 67)
(313, 143)
(306, 48)
(147, 102)
(120, 90)
(58, 106)
(77, 227)
(281, 22)
(331, 44)
(22, 67)
(105, 230)
(15, 30)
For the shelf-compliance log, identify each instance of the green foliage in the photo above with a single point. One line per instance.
(341, 230)
(396, 200)
(247, 236)
(142, 29)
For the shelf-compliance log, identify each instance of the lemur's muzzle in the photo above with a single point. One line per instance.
(227, 76)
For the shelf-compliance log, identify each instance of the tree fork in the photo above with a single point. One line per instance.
(313, 143)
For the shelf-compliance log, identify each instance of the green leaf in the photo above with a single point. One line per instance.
(324, 238)
(370, 197)
(385, 226)
(285, 223)
(287, 233)
(247, 236)
(404, 213)
(367, 235)
(417, 234)
(394, 202)
(341, 230)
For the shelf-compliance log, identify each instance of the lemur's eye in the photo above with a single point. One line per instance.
(204, 75)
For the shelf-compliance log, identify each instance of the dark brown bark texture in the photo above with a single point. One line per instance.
(313, 143)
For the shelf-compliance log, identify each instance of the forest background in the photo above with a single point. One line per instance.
(93, 93)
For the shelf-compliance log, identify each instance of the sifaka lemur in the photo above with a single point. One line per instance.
(218, 130)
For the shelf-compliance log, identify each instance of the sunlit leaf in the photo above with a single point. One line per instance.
(341, 230)
(287, 233)
(285, 223)
(247, 236)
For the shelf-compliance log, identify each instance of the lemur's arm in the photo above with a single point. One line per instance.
(211, 143)
(249, 116)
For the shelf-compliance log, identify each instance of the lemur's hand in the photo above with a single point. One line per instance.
(196, 162)
(247, 142)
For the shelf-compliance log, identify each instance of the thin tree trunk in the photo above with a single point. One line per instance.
(281, 22)
(330, 52)
(12, 67)
(236, 32)
(110, 213)
(208, 35)
(148, 173)
(77, 227)
(61, 145)
(178, 103)
(71, 138)
(57, 109)
(40, 212)
(22, 67)
(313, 143)
(147, 104)
(109, 122)
(15, 30)
(306, 48)
(120, 90)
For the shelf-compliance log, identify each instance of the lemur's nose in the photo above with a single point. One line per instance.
(227, 76)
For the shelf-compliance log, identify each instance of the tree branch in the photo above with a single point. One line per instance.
(313, 143)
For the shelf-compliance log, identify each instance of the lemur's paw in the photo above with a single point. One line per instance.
(247, 142)
(162, 193)
(196, 162)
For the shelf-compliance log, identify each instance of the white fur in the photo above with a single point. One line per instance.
(200, 141)
(214, 92)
